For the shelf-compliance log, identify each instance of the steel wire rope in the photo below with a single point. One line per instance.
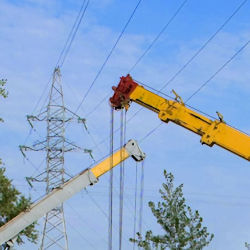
(116, 191)
(122, 140)
(135, 204)
(141, 197)
(107, 58)
(100, 208)
(110, 235)
(159, 34)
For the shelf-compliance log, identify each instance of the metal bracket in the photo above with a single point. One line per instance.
(177, 97)
(134, 150)
(220, 116)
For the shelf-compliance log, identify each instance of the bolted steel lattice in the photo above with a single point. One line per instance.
(55, 144)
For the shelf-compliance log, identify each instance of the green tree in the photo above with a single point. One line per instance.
(182, 227)
(11, 200)
(3, 91)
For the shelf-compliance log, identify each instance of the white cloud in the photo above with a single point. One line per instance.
(32, 36)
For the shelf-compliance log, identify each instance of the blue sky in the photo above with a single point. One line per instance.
(215, 182)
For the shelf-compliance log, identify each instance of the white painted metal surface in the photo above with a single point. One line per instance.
(50, 201)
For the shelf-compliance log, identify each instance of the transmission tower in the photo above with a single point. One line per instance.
(54, 233)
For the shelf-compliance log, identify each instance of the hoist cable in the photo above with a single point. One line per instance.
(158, 35)
(109, 55)
(135, 204)
(141, 197)
(218, 71)
(122, 133)
(111, 180)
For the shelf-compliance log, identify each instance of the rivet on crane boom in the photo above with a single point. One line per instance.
(60, 194)
(211, 131)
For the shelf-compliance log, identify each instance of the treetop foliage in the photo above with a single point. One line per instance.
(11, 201)
(181, 226)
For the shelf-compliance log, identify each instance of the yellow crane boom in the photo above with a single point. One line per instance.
(211, 131)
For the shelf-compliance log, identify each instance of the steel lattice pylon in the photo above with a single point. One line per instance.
(54, 231)
(55, 145)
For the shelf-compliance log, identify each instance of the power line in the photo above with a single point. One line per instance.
(191, 59)
(76, 23)
(159, 34)
(195, 54)
(204, 45)
(218, 71)
(148, 48)
(79, 216)
(74, 34)
(109, 55)
(64, 52)
(67, 45)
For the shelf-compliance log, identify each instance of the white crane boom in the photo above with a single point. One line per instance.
(60, 194)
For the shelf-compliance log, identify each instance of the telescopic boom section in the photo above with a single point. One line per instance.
(60, 194)
(211, 131)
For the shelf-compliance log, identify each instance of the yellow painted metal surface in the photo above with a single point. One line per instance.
(110, 162)
(211, 132)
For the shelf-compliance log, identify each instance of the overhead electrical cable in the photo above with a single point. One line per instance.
(85, 222)
(198, 51)
(70, 34)
(205, 44)
(148, 48)
(108, 56)
(66, 48)
(159, 35)
(68, 43)
(203, 85)
(64, 52)
(218, 71)
(74, 33)
(191, 59)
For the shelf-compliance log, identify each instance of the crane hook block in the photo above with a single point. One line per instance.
(121, 99)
